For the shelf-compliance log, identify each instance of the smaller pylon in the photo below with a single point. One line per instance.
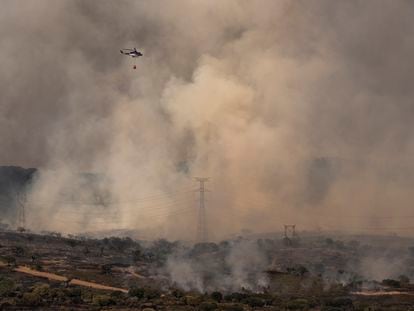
(202, 232)
(21, 213)
(290, 237)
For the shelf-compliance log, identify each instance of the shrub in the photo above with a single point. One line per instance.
(74, 294)
(391, 283)
(32, 299)
(38, 267)
(207, 306)
(103, 300)
(120, 244)
(254, 301)
(6, 286)
(136, 255)
(235, 297)
(193, 300)
(151, 293)
(19, 251)
(298, 270)
(117, 295)
(10, 260)
(298, 304)
(106, 269)
(61, 295)
(217, 296)
(177, 293)
(41, 289)
(136, 292)
(72, 242)
(339, 302)
(232, 307)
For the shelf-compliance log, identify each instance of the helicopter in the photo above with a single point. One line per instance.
(131, 52)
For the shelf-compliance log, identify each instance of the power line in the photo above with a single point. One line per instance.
(165, 210)
(269, 205)
(111, 222)
(21, 201)
(154, 197)
(202, 233)
(165, 205)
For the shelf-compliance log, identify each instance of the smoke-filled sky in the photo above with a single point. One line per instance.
(299, 111)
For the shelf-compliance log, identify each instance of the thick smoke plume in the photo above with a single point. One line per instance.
(234, 266)
(299, 111)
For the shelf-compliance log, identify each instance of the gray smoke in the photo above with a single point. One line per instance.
(299, 111)
(233, 266)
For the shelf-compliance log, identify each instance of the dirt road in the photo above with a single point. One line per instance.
(47, 275)
(60, 278)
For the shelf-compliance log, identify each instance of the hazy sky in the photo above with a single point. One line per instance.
(299, 111)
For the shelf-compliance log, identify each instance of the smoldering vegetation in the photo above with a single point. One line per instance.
(317, 265)
(269, 265)
(299, 111)
(227, 266)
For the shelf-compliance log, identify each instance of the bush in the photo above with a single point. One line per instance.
(38, 267)
(117, 295)
(254, 302)
(106, 269)
(136, 292)
(151, 293)
(193, 300)
(41, 289)
(19, 251)
(32, 299)
(136, 255)
(232, 307)
(298, 304)
(235, 297)
(75, 295)
(75, 292)
(217, 296)
(11, 261)
(103, 300)
(144, 292)
(6, 287)
(72, 243)
(298, 270)
(177, 293)
(207, 306)
(339, 302)
(391, 283)
(120, 244)
(87, 295)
